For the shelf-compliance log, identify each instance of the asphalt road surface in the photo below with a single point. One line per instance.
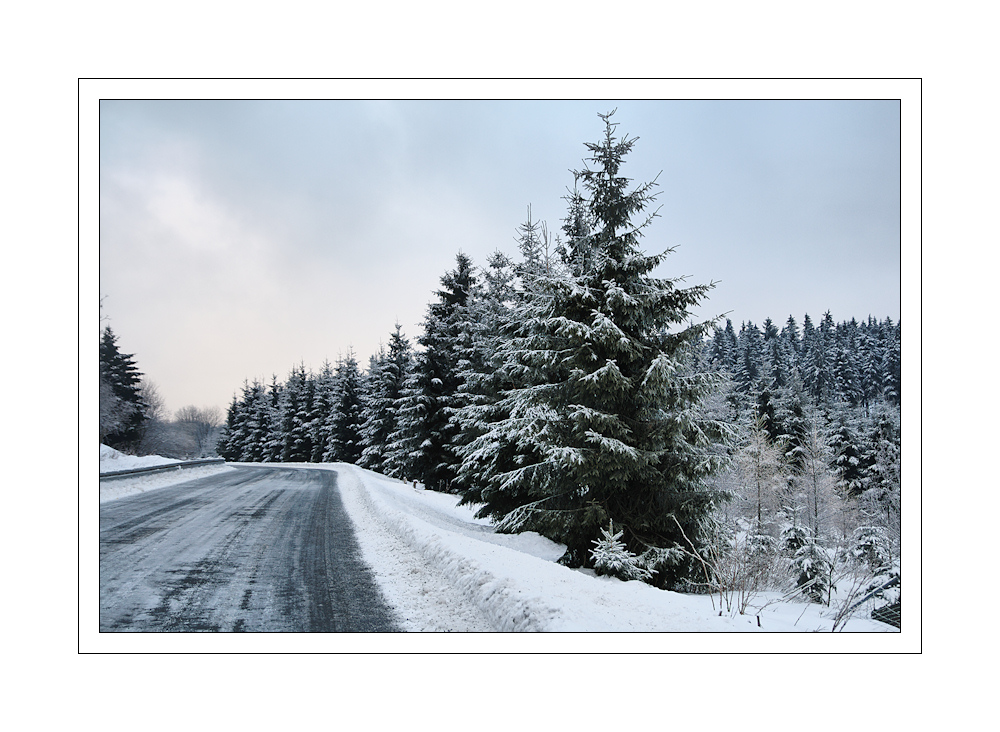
(252, 550)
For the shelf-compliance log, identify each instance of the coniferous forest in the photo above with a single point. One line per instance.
(568, 391)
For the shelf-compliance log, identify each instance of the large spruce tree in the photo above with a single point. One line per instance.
(602, 424)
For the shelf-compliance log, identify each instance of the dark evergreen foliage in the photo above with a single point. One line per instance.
(384, 382)
(226, 446)
(857, 364)
(123, 410)
(325, 401)
(294, 411)
(345, 442)
(427, 432)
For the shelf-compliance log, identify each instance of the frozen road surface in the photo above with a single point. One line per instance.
(253, 549)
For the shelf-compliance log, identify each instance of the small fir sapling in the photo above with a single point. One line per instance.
(871, 546)
(611, 557)
(814, 570)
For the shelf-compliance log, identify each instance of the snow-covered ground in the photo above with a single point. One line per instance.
(442, 569)
(112, 460)
(516, 584)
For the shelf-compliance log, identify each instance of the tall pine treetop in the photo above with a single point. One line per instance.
(612, 206)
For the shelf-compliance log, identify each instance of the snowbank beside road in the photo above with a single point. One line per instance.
(435, 529)
(515, 582)
(113, 490)
(513, 578)
(112, 460)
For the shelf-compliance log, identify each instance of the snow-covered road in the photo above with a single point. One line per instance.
(249, 550)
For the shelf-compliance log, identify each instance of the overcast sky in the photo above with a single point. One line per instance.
(241, 238)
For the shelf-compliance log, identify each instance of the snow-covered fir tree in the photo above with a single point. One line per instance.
(374, 413)
(813, 565)
(602, 423)
(723, 351)
(226, 446)
(257, 425)
(881, 497)
(482, 384)
(844, 444)
(325, 400)
(123, 412)
(384, 382)
(344, 443)
(295, 420)
(423, 445)
(611, 557)
(274, 442)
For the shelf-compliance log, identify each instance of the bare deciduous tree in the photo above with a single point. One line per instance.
(762, 470)
(200, 424)
(817, 483)
(155, 431)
